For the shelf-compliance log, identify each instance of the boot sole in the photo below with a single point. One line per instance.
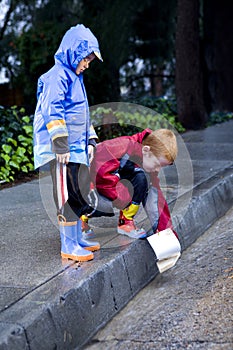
(78, 257)
(122, 232)
(92, 248)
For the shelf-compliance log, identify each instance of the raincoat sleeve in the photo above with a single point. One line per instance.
(52, 107)
(164, 212)
(92, 132)
(60, 145)
(92, 136)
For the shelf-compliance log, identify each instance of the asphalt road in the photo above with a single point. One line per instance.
(187, 307)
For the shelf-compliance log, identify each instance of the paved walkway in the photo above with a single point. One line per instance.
(48, 303)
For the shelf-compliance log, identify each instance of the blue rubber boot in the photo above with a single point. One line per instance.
(84, 243)
(70, 249)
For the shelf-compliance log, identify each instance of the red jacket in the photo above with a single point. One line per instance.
(105, 166)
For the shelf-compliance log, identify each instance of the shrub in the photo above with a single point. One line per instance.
(165, 108)
(128, 119)
(16, 146)
(219, 117)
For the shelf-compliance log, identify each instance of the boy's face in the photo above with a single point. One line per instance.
(150, 162)
(84, 63)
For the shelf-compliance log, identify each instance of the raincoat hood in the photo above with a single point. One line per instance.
(77, 43)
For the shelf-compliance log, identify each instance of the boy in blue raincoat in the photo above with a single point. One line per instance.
(63, 136)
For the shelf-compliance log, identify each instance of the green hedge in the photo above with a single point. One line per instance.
(16, 146)
(219, 117)
(128, 119)
(16, 132)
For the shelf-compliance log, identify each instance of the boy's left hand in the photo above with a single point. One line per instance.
(90, 152)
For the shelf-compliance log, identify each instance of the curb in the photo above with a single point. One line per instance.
(47, 319)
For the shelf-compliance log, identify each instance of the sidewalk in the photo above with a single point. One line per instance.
(47, 303)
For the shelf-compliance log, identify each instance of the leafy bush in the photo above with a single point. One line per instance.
(162, 104)
(219, 117)
(165, 107)
(16, 146)
(16, 131)
(128, 119)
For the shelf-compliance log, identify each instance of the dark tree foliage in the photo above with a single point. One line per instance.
(170, 37)
(38, 43)
(111, 21)
(30, 36)
(114, 23)
(154, 34)
(34, 45)
(17, 12)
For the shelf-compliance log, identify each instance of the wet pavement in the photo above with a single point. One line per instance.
(188, 307)
(50, 303)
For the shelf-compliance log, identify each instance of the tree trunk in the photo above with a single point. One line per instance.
(156, 81)
(189, 76)
(218, 43)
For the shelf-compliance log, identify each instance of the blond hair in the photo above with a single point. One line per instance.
(162, 143)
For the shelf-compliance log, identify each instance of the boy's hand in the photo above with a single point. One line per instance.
(90, 152)
(63, 158)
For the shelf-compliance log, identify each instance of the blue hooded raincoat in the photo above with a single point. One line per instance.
(62, 108)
